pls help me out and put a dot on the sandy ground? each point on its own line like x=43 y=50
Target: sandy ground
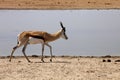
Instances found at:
x=62 y=68
x=59 y=4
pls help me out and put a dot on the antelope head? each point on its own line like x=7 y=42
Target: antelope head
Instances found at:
x=63 y=33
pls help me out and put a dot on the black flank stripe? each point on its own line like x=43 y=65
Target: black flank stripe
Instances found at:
x=38 y=37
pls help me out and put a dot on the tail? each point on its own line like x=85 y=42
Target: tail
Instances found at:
x=17 y=41
x=16 y=45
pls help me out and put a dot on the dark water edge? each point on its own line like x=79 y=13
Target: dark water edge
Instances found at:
x=62 y=56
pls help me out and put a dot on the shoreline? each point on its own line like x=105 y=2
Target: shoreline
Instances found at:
x=62 y=56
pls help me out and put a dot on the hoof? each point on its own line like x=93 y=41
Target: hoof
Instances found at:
x=9 y=60
x=50 y=60
x=29 y=61
x=42 y=60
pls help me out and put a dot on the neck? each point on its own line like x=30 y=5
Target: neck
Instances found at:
x=55 y=36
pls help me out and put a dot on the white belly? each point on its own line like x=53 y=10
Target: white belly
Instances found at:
x=35 y=41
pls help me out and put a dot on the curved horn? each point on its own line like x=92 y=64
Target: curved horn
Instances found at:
x=61 y=25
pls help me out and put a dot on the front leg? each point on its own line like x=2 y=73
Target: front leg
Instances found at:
x=50 y=50
x=23 y=50
x=42 y=52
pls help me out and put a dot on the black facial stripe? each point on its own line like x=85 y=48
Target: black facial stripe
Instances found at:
x=65 y=35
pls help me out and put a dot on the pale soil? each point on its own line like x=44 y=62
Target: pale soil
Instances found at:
x=62 y=68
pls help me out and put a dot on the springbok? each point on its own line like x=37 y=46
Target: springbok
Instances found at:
x=36 y=37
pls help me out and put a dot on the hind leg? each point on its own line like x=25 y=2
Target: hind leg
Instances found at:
x=50 y=50
x=13 y=50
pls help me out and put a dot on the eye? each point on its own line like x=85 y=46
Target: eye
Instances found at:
x=64 y=29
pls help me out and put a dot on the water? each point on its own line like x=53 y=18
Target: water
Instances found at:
x=90 y=32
